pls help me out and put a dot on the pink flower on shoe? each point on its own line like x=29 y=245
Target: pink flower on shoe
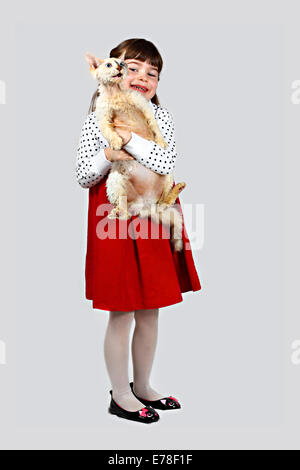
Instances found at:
x=143 y=412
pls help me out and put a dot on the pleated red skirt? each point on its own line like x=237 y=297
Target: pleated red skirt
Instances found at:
x=128 y=269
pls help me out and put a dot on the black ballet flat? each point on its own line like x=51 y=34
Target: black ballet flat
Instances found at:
x=167 y=403
x=144 y=415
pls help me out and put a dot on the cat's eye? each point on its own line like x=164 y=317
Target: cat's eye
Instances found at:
x=108 y=65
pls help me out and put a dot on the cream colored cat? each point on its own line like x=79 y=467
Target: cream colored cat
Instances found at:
x=132 y=188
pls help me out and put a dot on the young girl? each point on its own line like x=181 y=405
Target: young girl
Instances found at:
x=132 y=277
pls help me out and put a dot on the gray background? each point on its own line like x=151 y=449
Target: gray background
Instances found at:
x=235 y=128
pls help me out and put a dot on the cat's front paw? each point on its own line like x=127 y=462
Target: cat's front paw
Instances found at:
x=116 y=142
x=161 y=142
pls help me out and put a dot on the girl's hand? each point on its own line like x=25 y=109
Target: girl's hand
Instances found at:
x=114 y=155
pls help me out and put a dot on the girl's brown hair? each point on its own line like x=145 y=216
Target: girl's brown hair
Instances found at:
x=140 y=49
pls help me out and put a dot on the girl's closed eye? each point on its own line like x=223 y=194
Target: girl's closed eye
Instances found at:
x=151 y=74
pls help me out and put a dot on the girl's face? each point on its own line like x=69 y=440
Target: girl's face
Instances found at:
x=141 y=74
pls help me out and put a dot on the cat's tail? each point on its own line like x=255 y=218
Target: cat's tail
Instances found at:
x=170 y=217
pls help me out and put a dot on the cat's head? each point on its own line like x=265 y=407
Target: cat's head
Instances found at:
x=111 y=70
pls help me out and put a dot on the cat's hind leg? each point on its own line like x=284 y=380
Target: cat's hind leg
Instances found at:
x=170 y=217
x=173 y=194
x=170 y=193
x=116 y=191
x=120 y=211
x=173 y=220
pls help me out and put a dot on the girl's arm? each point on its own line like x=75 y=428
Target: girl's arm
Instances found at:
x=152 y=155
x=91 y=163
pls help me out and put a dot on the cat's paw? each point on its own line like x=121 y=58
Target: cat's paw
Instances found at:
x=180 y=187
x=161 y=142
x=116 y=142
x=124 y=215
x=114 y=213
x=177 y=244
x=117 y=213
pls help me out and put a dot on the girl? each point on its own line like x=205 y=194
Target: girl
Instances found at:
x=132 y=277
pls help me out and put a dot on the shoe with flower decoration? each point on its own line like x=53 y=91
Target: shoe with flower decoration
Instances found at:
x=166 y=403
x=144 y=415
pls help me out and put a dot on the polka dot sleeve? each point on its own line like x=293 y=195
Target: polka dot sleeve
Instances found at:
x=152 y=155
x=91 y=163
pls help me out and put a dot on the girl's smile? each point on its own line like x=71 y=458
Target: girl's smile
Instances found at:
x=142 y=76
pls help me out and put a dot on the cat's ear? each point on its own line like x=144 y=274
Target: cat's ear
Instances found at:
x=93 y=62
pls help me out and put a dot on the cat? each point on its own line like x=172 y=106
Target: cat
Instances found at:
x=132 y=188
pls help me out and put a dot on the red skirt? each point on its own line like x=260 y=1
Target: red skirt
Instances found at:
x=128 y=270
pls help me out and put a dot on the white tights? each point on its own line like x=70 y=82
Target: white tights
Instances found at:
x=116 y=354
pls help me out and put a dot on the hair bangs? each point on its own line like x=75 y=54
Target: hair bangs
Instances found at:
x=144 y=51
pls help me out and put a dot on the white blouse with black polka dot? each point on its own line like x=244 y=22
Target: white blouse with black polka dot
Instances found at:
x=92 y=164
